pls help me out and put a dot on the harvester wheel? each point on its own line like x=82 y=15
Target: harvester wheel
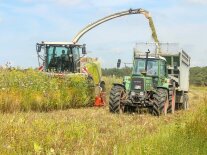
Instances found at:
x=161 y=102
x=117 y=95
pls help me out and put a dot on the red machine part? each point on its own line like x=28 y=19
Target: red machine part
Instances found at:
x=100 y=100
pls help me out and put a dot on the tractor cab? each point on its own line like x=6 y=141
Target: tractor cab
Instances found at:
x=149 y=71
x=155 y=67
x=60 y=56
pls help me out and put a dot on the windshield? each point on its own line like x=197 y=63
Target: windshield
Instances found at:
x=62 y=58
x=152 y=67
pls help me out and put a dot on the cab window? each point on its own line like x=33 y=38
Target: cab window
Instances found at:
x=163 y=68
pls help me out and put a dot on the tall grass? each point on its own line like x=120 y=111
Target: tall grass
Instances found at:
x=32 y=90
x=96 y=131
x=90 y=130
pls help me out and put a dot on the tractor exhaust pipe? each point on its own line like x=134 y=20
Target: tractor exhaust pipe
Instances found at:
x=147 y=57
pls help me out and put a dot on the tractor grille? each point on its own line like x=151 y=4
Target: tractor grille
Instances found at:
x=137 y=84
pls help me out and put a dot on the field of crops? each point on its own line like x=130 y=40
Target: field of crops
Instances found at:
x=92 y=130
x=30 y=90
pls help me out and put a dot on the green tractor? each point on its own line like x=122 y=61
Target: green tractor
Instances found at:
x=158 y=83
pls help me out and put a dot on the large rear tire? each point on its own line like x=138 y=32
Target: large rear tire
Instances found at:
x=117 y=95
x=161 y=102
x=154 y=110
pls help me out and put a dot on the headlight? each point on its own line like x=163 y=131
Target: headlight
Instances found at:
x=133 y=93
x=141 y=93
x=137 y=87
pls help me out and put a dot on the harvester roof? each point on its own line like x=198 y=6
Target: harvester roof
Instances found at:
x=58 y=43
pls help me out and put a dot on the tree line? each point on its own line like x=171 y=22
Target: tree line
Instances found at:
x=198 y=75
x=117 y=72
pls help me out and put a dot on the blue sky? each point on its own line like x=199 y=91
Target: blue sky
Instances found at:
x=23 y=23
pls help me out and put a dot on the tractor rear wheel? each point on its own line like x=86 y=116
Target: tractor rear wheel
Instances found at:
x=161 y=102
x=117 y=95
x=154 y=110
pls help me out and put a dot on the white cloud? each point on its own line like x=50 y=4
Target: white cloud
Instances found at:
x=197 y=2
x=62 y=2
x=69 y=2
x=110 y=3
x=84 y=3
x=27 y=1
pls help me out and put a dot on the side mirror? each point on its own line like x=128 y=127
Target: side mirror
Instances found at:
x=39 y=48
x=118 y=63
x=84 y=49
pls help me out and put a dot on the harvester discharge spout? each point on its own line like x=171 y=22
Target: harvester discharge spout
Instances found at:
x=120 y=14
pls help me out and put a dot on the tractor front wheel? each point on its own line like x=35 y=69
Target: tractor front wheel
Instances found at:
x=117 y=96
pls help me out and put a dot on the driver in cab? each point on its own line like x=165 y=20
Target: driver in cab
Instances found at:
x=63 y=60
x=150 y=69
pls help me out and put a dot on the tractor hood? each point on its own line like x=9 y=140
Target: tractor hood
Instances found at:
x=143 y=83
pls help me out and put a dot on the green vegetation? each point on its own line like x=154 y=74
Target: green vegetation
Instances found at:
x=32 y=90
x=198 y=76
x=117 y=72
x=90 y=130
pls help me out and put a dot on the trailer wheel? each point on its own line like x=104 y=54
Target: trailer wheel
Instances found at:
x=117 y=95
x=185 y=105
x=161 y=102
x=172 y=97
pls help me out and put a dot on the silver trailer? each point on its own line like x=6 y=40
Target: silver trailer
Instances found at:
x=179 y=71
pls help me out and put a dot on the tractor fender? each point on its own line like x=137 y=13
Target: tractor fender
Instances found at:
x=118 y=84
x=164 y=88
x=168 y=90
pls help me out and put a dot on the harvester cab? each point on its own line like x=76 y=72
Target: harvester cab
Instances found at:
x=67 y=59
x=60 y=56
